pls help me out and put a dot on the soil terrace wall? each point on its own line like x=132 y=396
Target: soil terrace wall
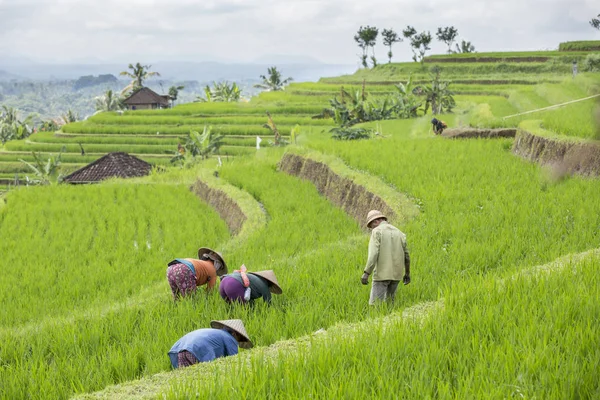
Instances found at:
x=354 y=199
x=470 y=133
x=582 y=158
x=486 y=59
x=228 y=209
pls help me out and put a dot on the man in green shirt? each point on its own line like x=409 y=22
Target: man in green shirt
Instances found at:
x=388 y=258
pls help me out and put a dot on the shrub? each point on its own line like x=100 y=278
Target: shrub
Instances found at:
x=591 y=63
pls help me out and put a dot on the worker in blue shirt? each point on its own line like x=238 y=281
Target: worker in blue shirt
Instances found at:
x=202 y=345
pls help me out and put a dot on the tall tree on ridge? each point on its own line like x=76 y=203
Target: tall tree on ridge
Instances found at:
x=595 y=22
x=447 y=35
x=139 y=73
x=419 y=43
x=465 y=47
x=366 y=37
x=389 y=38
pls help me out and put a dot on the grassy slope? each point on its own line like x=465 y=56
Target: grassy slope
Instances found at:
x=469 y=227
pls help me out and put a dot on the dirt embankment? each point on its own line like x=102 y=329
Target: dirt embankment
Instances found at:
x=582 y=158
x=228 y=209
x=354 y=199
x=470 y=133
x=486 y=59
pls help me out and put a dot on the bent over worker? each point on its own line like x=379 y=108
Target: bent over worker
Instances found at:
x=186 y=274
x=245 y=287
x=388 y=259
x=203 y=345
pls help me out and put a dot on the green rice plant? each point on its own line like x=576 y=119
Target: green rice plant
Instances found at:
x=487 y=339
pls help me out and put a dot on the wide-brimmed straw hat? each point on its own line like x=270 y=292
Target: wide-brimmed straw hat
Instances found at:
x=206 y=250
x=373 y=215
x=235 y=325
x=269 y=276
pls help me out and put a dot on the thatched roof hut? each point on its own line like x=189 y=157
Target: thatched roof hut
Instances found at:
x=112 y=165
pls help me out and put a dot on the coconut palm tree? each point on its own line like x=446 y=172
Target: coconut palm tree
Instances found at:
x=273 y=82
x=108 y=102
x=139 y=73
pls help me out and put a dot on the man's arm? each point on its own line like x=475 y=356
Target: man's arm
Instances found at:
x=406 y=278
x=373 y=253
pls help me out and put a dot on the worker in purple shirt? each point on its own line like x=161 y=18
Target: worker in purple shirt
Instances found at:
x=202 y=345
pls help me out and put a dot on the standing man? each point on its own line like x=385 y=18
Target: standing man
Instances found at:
x=222 y=339
x=388 y=258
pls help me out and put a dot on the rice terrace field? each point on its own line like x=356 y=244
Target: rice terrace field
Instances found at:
x=504 y=299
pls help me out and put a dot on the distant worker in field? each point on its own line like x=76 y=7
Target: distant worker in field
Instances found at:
x=388 y=259
x=186 y=274
x=574 y=68
x=245 y=287
x=438 y=126
x=222 y=339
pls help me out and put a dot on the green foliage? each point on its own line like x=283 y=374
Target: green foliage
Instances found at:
x=107 y=102
x=197 y=146
x=11 y=128
x=69 y=117
x=595 y=22
x=407 y=103
x=487 y=339
x=389 y=38
x=366 y=38
x=438 y=95
x=580 y=45
x=349 y=133
x=418 y=42
x=464 y=48
x=45 y=172
x=139 y=73
x=447 y=35
x=273 y=81
x=174 y=93
x=591 y=63
x=221 y=92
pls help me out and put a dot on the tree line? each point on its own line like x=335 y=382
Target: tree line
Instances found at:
x=366 y=38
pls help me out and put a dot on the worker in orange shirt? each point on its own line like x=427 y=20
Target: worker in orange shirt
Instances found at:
x=186 y=274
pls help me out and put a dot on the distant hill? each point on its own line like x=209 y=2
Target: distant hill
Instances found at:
x=7 y=76
x=90 y=80
x=304 y=69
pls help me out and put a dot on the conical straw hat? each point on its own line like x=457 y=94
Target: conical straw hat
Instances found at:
x=269 y=276
x=373 y=215
x=206 y=250
x=236 y=325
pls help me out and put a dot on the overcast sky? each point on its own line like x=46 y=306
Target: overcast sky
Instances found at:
x=242 y=31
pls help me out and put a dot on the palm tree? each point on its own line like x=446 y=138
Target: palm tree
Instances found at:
x=108 y=102
x=221 y=92
x=273 y=82
x=70 y=116
x=139 y=73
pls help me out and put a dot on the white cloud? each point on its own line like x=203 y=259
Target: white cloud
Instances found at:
x=245 y=29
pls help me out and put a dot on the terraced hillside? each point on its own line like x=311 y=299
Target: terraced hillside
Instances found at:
x=88 y=308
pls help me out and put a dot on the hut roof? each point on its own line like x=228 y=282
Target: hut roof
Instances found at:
x=145 y=95
x=112 y=165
